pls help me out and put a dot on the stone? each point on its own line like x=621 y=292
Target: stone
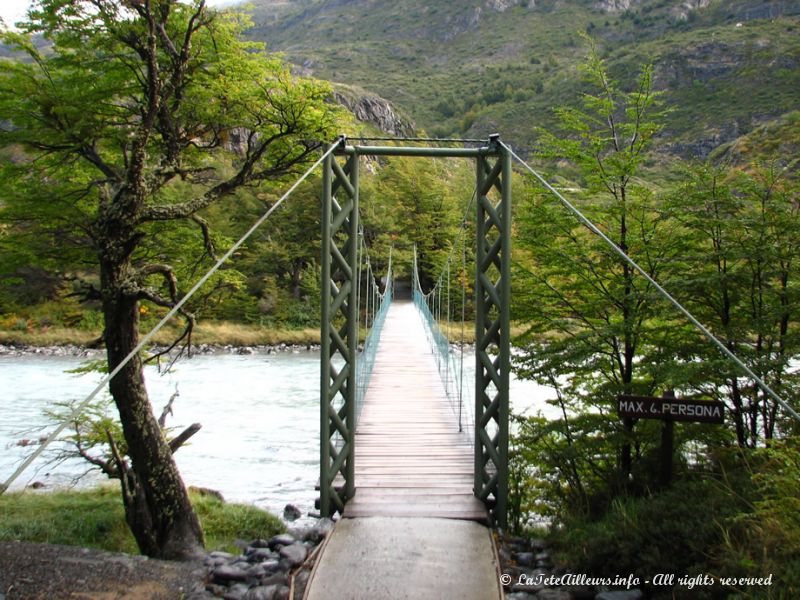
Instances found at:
x=225 y=573
x=291 y=513
x=216 y=590
x=550 y=594
x=214 y=562
x=514 y=573
x=282 y=593
x=278 y=577
x=537 y=544
x=320 y=530
x=262 y=592
x=294 y=554
x=259 y=554
x=236 y=592
x=300 y=580
x=259 y=543
x=283 y=539
x=270 y=566
x=620 y=595
x=525 y=559
x=580 y=592
x=256 y=571
x=520 y=596
x=531 y=588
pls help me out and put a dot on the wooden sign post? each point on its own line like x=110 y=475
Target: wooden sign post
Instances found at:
x=669 y=409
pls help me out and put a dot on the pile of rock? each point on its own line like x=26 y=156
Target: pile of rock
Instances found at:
x=14 y=349
x=267 y=569
x=528 y=574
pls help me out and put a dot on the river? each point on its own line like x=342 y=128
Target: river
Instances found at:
x=259 y=441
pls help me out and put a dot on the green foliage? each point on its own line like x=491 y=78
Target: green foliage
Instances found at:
x=739 y=237
x=591 y=327
x=766 y=539
x=736 y=518
x=724 y=242
x=92 y=519
x=440 y=60
x=224 y=523
x=77 y=109
x=95 y=519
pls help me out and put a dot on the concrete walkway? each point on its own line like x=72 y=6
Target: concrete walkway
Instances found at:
x=400 y=558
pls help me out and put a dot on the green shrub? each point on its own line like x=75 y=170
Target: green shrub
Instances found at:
x=766 y=540
x=673 y=531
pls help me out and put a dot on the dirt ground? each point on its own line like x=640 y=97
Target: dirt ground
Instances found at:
x=44 y=572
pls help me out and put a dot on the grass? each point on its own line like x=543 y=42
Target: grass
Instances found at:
x=51 y=336
x=214 y=333
x=95 y=519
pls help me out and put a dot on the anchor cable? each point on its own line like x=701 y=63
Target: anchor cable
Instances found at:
x=594 y=229
x=172 y=312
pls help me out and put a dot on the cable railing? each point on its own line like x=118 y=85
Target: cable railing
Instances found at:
x=376 y=307
x=449 y=361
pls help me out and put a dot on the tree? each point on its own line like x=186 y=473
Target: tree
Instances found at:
x=739 y=234
x=125 y=116
x=589 y=316
x=422 y=202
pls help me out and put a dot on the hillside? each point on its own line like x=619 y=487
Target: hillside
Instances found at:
x=471 y=67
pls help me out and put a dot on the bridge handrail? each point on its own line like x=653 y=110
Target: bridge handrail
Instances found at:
x=366 y=363
x=450 y=371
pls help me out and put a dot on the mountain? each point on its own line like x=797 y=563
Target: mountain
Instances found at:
x=472 y=67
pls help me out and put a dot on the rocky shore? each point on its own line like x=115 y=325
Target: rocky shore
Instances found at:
x=273 y=569
x=528 y=573
x=74 y=350
x=277 y=568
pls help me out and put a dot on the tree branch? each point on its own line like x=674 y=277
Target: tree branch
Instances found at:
x=176 y=442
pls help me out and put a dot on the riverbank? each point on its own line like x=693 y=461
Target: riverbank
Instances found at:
x=210 y=335
x=72 y=350
x=64 y=543
x=205 y=334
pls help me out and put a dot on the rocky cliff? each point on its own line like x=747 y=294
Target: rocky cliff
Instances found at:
x=371 y=108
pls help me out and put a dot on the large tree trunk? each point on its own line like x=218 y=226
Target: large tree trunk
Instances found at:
x=157 y=504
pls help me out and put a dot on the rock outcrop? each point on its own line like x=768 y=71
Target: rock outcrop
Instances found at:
x=371 y=108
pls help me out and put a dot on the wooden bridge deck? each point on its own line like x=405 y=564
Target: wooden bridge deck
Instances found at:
x=410 y=458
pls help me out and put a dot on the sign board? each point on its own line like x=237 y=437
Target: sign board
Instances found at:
x=671 y=409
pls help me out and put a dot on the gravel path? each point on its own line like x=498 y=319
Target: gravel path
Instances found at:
x=40 y=571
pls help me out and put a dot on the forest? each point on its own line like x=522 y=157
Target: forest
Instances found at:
x=131 y=158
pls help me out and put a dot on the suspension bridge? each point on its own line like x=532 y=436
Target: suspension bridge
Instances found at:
x=413 y=454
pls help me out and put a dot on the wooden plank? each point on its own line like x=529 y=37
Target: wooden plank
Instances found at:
x=410 y=458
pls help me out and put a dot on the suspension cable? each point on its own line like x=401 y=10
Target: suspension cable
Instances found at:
x=431 y=306
x=378 y=304
x=172 y=312
x=594 y=229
